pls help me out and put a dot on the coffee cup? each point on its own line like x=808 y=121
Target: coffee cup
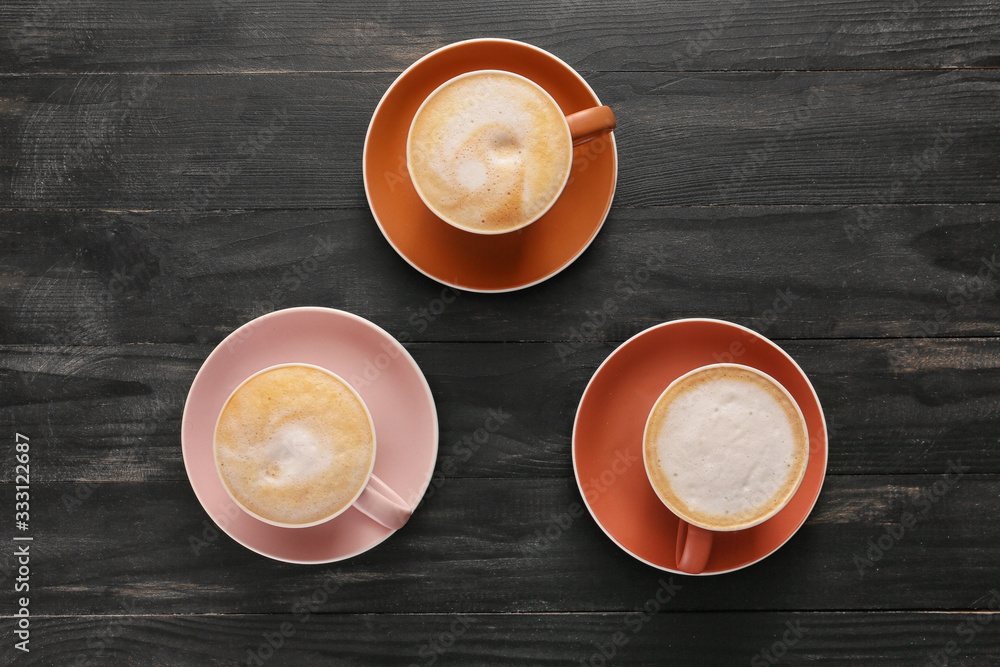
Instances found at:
x=490 y=151
x=294 y=446
x=725 y=448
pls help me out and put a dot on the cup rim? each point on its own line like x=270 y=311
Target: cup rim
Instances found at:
x=791 y=494
x=543 y=211
x=371 y=464
x=391 y=223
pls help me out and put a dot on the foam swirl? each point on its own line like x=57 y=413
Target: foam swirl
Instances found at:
x=489 y=151
x=726 y=447
x=294 y=445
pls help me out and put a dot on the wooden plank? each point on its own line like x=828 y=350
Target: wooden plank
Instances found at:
x=758 y=638
x=901 y=406
x=387 y=35
x=149 y=545
x=194 y=143
x=144 y=216
x=105 y=278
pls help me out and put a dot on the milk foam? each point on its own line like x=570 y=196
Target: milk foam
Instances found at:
x=726 y=447
x=489 y=151
x=294 y=445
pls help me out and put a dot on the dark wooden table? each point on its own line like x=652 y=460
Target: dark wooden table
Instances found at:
x=844 y=153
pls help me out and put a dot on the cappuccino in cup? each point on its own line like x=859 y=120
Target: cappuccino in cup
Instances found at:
x=725 y=447
x=294 y=445
x=489 y=151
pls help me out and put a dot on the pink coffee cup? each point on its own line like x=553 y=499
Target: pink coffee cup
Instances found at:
x=374 y=498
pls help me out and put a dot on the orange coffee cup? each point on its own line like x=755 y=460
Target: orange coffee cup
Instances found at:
x=725 y=448
x=490 y=151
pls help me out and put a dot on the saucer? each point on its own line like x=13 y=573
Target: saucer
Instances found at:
x=477 y=262
x=607 y=440
x=375 y=364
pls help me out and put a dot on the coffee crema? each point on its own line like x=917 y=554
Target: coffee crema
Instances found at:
x=725 y=447
x=294 y=445
x=489 y=151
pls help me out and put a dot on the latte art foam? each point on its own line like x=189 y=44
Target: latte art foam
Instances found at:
x=725 y=448
x=294 y=445
x=489 y=151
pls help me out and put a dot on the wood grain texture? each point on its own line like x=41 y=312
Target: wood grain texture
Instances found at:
x=541 y=639
x=150 y=546
x=387 y=35
x=900 y=406
x=826 y=174
x=107 y=278
x=271 y=141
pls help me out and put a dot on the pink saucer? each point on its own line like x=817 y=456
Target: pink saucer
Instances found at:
x=378 y=367
x=607 y=440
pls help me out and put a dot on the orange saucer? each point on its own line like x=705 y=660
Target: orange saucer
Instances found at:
x=474 y=262
x=607 y=440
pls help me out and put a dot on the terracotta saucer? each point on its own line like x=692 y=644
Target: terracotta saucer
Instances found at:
x=375 y=364
x=474 y=262
x=607 y=440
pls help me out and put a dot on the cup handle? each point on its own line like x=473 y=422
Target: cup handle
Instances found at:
x=383 y=504
x=589 y=124
x=694 y=545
